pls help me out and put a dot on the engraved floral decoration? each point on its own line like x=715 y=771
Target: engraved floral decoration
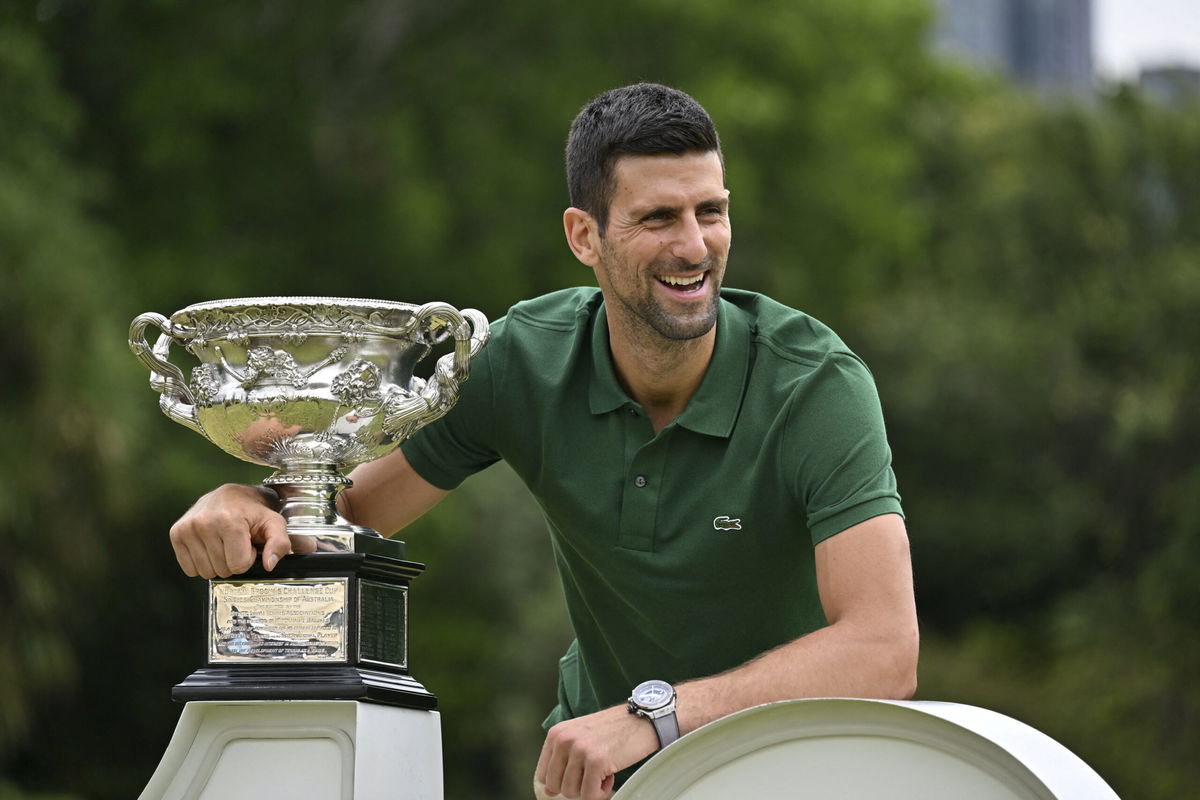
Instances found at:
x=271 y=367
x=358 y=384
x=292 y=324
x=206 y=383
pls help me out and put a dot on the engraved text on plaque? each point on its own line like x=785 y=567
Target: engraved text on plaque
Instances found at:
x=284 y=620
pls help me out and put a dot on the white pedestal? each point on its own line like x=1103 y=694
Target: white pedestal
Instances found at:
x=865 y=750
x=301 y=750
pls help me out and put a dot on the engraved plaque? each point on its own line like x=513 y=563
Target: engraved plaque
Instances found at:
x=383 y=614
x=280 y=621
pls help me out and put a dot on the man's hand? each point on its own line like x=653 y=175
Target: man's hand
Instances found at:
x=216 y=538
x=581 y=756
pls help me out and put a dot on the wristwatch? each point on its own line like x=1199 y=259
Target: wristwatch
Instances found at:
x=655 y=701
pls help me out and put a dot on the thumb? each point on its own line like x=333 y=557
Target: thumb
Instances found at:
x=270 y=531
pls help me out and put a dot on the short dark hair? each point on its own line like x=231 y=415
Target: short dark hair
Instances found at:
x=642 y=119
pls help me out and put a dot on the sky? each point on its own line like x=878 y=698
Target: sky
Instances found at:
x=1131 y=34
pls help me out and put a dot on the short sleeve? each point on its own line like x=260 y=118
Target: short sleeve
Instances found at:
x=841 y=464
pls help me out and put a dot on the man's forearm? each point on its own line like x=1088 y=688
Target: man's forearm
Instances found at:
x=830 y=662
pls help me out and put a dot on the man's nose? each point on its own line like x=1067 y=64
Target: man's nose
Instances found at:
x=689 y=244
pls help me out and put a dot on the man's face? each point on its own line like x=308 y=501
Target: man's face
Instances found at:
x=663 y=255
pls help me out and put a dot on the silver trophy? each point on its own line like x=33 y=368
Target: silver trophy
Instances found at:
x=310 y=386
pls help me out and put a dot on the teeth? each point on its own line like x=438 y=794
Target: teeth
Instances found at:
x=677 y=280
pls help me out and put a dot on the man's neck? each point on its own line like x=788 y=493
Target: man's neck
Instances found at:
x=660 y=374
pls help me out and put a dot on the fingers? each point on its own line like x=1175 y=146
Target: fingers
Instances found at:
x=199 y=548
x=595 y=782
x=269 y=530
x=549 y=770
x=216 y=537
x=572 y=780
x=573 y=767
x=539 y=774
x=231 y=553
x=183 y=553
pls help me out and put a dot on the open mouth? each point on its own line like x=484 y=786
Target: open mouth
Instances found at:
x=686 y=284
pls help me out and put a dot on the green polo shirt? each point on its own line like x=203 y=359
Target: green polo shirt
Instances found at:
x=687 y=553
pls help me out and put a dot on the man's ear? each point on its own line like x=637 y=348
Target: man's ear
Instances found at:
x=583 y=235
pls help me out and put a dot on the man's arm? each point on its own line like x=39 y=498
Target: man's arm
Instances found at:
x=868 y=649
x=388 y=494
x=217 y=536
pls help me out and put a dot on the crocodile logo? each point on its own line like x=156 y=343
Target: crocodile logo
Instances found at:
x=727 y=524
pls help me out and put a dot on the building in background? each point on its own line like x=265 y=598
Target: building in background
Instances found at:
x=1175 y=86
x=1043 y=44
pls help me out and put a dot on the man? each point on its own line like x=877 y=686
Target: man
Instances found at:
x=712 y=466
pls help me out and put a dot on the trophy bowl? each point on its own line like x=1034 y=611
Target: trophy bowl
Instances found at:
x=309 y=386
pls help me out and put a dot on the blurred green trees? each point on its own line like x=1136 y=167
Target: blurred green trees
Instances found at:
x=1024 y=280
x=1050 y=330
x=57 y=356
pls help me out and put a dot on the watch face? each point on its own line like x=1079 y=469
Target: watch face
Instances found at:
x=653 y=694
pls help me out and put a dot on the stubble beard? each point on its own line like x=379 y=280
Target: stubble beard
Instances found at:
x=647 y=314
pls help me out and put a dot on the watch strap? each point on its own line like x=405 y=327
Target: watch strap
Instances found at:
x=667 y=728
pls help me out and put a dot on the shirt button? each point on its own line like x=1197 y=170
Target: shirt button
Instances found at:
x=633 y=412
x=639 y=481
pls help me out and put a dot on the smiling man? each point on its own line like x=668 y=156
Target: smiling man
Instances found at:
x=659 y=260
x=712 y=466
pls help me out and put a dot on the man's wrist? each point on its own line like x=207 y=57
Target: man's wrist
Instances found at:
x=654 y=701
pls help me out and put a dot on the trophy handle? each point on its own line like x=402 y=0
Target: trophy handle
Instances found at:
x=439 y=394
x=176 y=400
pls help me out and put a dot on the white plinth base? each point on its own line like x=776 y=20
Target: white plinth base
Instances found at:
x=864 y=750
x=301 y=750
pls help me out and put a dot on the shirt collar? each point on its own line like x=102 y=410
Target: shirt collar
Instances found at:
x=714 y=407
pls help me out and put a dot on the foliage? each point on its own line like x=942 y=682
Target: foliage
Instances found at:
x=55 y=354
x=1022 y=278
x=1050 y=332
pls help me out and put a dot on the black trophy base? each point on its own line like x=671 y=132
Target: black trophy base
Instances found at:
x=320 y=626
x=304 y=682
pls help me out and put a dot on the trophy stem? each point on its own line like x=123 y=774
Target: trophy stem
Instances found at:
x=309 y=494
